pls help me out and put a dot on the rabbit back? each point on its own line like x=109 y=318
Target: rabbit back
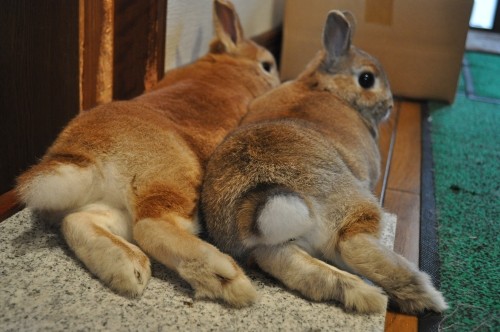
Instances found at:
x=339 y=124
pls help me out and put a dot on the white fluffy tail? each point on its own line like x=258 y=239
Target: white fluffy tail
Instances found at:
x=57 y=187
x=283 y=217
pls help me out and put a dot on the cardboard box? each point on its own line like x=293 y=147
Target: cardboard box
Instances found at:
x=419 y=43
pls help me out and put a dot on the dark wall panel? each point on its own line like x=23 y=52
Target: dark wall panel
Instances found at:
x=38 y=79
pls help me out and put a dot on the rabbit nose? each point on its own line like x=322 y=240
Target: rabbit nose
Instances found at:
x=387 y=110
x=390 y=104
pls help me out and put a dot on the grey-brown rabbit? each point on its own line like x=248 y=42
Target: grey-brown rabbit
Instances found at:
x=292 y=187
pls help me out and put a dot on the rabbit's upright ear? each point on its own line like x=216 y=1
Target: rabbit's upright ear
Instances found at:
x=337 y=34
x=352 y=21
x=227 y=24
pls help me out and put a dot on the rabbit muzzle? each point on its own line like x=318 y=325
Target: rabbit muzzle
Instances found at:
x=385 y=110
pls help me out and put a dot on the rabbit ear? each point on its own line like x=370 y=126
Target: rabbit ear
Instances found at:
x=337 y=35
x=352 y=21
x=227 y=24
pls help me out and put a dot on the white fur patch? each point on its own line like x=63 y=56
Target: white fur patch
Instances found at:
x=283 y=218
x=112 y=187
x=118 y=222
x=66 y=187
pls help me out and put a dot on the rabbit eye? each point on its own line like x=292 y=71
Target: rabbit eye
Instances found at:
x=366 y=80
x=268 y=66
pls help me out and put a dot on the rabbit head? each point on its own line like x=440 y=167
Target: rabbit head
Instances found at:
x=348 y=72
x=230 y=41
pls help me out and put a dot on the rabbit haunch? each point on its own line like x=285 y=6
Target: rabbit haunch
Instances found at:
x=125 y=177
x=292 y=186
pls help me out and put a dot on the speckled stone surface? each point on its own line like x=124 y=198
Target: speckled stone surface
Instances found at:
x=44 y=287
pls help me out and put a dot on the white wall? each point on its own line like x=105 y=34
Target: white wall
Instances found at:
x=483 y=14
x=189 y=25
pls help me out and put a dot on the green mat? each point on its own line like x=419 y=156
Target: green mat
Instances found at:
x=466 y=153
x=484 y=71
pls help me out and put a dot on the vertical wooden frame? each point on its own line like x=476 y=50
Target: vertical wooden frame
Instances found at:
x=139 y=42
x=122 y=47
x=95 y=52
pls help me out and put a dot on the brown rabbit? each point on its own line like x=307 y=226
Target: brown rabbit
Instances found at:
x=130 y=172
x=292 y=187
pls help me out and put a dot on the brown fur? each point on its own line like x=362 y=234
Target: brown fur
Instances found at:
x=364 y=220
x=315 y=137
x=142 y=162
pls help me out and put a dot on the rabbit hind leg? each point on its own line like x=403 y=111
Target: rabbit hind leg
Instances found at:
x=99 y=235
x=167 y=233
x=410 y=288
x=317 y=280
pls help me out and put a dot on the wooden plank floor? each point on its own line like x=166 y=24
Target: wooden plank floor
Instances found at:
x=399 y=190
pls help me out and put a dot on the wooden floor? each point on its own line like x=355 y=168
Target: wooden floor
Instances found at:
x=399 y=189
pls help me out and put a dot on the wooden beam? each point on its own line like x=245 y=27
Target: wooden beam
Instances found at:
x=139 y=43
x=122 y=48
x=95 y=52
